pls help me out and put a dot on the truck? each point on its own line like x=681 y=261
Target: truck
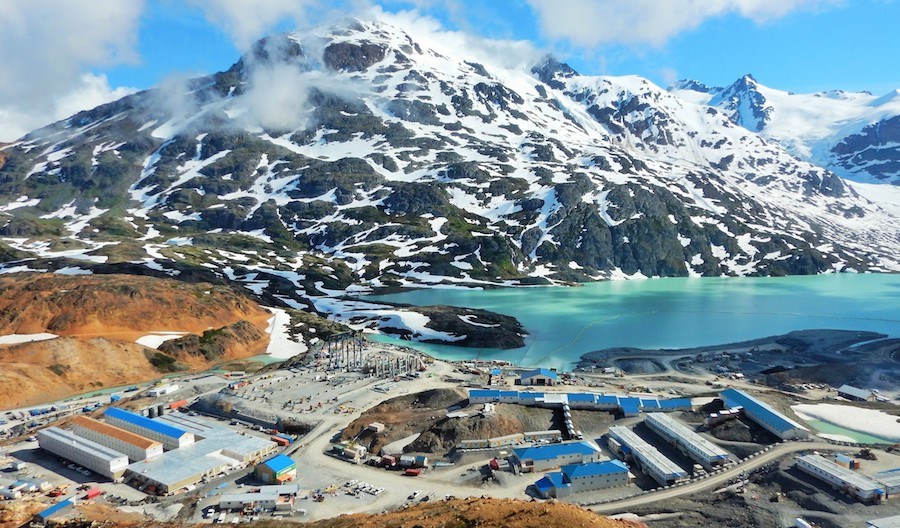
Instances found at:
x=114 y=398
x=288 y=438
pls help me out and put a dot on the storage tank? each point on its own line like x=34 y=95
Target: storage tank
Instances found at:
x=152 y=412
x=160 y=409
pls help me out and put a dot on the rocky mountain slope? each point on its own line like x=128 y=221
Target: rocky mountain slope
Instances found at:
x=100 y=318
x=365 y=155
x=853 y=134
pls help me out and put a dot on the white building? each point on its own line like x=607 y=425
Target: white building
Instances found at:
x=764 y=415
x=135 y=446
x=552 y=456
x=170 y=436
x=162 y=390
x=651 y=461
x=539 y=377
x=688 y=442
x=841 y=478
x=99 y=459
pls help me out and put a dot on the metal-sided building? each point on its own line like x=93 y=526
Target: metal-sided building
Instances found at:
x=539 y=377
x=579 y=478
x=278 y=469
x=135 y=446
x=651 y=461
x=56 y=510
x=171 y=437
x=218 y=450
x=841 y=478
x=544 y=457
x=764 y=415
x=890 y=480
x=99 y=459
x=708 y=454
x=852 y=393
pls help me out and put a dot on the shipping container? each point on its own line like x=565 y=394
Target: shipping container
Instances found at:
x=412 y=472
x=289 y=438
x=93 y=492
x=281 y=441
x=388 y=461
x=177 y=404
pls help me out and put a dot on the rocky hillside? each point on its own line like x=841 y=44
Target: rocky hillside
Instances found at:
x=100 y=318
x=853 y=134
x=364 y=155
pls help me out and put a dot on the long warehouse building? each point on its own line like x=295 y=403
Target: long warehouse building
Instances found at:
x=99 y=459
x=171 y=437
x=218 y=450
x=651 y=461
x=135 y=446
x=708 y=454
x=764 y=415
x=844 y=479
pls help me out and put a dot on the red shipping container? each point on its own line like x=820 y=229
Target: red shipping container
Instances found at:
x=177 y=404
x=93 y=492
x=281 y=441
x=412 y=472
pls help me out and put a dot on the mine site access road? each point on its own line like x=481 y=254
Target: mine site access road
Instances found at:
x=771 y=455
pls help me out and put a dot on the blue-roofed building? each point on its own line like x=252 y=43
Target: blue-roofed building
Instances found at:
x=576 y=478
x=540 y=377
x=170 y=436
x=545 y=457
x=56 y=510
x=483 y=396
x=675 y=404
x=630 y=406
x=277 y=470
x=764 y=415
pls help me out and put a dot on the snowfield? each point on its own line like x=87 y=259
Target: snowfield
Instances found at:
x=869 y=421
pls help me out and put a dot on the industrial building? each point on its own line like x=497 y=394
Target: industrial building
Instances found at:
x=217 y=450
x=852 y=393
x=99 y=459
x=625 y=442
x=276 y=470
x=551 y=436
x=579 y=478
x=266 y=498
x=538 y=377
x=890 y=480
x=841 y=478
x=627 y=405
x=170 y=437
x=60 y=508
x=708 y=454
x=544 y=457
x=162 y=390
x=764 y=415
x=136 y=447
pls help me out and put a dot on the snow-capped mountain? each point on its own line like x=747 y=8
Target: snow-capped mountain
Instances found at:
x=362 y=155
x=854 y=134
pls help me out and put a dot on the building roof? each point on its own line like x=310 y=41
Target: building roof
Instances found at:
x=753 y=406
x=279 y=463
x=246 y=498
x=539 y=372
x=855 y=392
x=156 y=426
x=56 y=508
x=649 y=454
x=890 y=478
x=848 y=476
x=551 y=480
x=675 y=403
x=580 y=396
x=483 y=393
x=593 y=469
x=83 y=444
x=114 y=432
x=218 y=448
x=687 y=435
x=885 y=522
x=549 y=452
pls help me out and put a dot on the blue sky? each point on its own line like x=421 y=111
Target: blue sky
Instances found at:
x=113 y=46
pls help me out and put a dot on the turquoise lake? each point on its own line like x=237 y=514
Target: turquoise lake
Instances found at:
x=566 y=322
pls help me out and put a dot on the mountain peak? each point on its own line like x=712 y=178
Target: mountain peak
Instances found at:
x=694 y=85
x=549 y=70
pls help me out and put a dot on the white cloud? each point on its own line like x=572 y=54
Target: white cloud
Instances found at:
x=245 y=21
x=51 y=47
x=588 y=23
